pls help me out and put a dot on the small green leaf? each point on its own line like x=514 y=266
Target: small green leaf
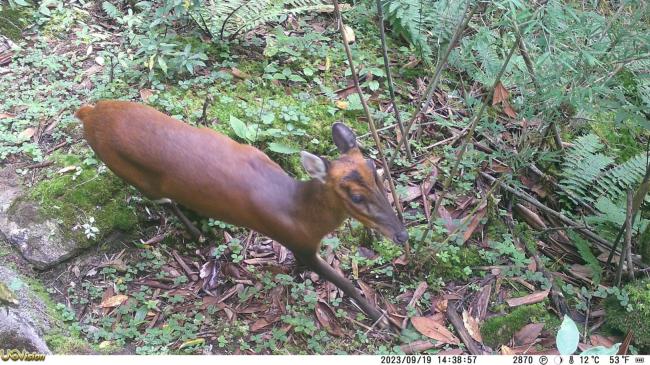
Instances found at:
x=238 y=127
x=354 y=103
x=567 y=337
x=282 y=148
x=296 y=78
x=44 y=10
x=602 y=350
x=252 y=132
x=162 y=64
x=308 y=71
x=373 y=85
x=268 y=117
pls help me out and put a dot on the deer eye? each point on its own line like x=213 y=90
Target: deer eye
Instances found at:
x=356 y=198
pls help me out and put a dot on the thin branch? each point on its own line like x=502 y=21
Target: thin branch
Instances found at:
x=628 y=234
x=639 y=197
x=424 y=101
x=628 y=238
x=389 y=79
x=466 y=142
x=371 y=123
x=599 y=241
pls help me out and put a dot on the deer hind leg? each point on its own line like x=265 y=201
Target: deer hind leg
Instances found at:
x=195 y=232
x=321 y=267
x=148 y=182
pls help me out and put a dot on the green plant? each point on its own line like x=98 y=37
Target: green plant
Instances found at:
x=499 y=330
x=619 y=316
x=568 y=336
x=592 y=176
x=153 y=37
x=233 y=17
x=426 y=25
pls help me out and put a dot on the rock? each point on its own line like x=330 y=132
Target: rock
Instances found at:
x=41 y=241
x=24 y=326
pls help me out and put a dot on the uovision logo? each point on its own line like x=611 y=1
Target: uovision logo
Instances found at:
x=15 y=355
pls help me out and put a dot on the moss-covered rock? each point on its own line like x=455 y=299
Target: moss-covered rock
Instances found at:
x=620 y=320
x=497 y=331
x=72 y=199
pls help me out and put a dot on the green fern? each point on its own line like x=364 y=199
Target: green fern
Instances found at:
x=112 y=11
x=583 y=164
x=592 y=176
x=232 y=17
x=424 y=24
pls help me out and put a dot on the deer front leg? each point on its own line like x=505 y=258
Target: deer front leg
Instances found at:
x=321 y=267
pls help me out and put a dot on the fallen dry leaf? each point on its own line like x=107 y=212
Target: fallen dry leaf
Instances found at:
x=472 y=326
x=327 y=319
x=530 y=217
x=500 y=94
x=433 y=329
x=419 y=291
x=145 y=94
x=402 y=260
x=528 y=334
x=598 y=340
x=260 y=323
x=447 y=220
x=27 y=133
x=473 y=224
x=6 y=115
x=528 y=299
x=113 y=301
x=507 y=108
x=480 y=305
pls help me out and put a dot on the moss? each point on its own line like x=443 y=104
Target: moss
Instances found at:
x=59 y=341
x=453 y=267
x=620 y=320
x=13 y=21
x=64 y=344
x=621 y=139
x=497 y=331
x=73 y=201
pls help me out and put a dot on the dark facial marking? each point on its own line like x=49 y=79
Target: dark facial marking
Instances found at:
x=355 y=177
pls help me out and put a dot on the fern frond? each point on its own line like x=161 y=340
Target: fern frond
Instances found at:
x=424 y=24
x=583 y=165
x=112 y=11
x=232 y=17
x=587 y=256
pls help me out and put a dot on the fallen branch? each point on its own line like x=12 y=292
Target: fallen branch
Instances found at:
x=472 y=346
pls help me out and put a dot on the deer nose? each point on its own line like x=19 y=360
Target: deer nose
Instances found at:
x=402 y=237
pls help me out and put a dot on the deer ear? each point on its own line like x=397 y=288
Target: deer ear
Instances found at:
x=315 y=166
x=343 y=137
